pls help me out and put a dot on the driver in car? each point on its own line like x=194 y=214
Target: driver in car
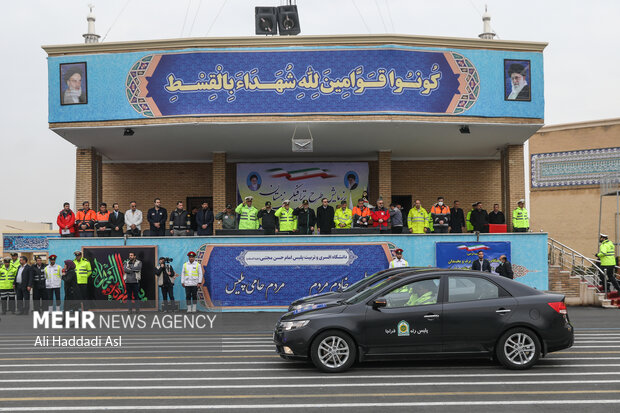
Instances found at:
x=422 y=294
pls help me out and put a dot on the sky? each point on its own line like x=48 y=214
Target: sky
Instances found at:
x=38 y=167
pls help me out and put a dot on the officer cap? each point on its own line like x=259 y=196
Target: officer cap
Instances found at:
x=249 y=198
x=343 y=202
x=398 y=250
x=604 y=235
x=521 y=201
x=6 y=259
x=191 y=254
x=52 y=257
x=76 y=253
x=268 y=203
x=305 y=202
x=228 y=206
x=286 y=201
x=474 y=204
x=14 y=254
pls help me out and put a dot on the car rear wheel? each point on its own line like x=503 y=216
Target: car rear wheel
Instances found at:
x=333 y=351
x=518 y=349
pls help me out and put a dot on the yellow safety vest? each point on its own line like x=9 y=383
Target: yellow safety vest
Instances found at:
x=421 y=300
x=343 y=217
x=607 y=253
x=468 y=224
x=83 y=271
x=288 y=221
x=248 y=217
x=417 y=220
x=520 y=218
x=15 y=264
x=7 y=277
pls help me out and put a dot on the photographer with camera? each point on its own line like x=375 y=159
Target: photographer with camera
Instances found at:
x=132 y=269
x=165 y=279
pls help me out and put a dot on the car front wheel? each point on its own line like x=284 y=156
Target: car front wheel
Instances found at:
x=333 y=351
x=518 y=349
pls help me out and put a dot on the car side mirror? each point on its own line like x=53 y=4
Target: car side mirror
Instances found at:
x=378 y=303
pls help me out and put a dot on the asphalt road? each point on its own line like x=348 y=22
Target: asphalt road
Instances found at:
x=235 y=369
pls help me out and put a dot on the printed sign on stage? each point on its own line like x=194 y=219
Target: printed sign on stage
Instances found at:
x=461 y=255
x=106 y=282
x=299 y=181
x=276 y=275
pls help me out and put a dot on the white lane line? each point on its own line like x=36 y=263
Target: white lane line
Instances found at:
x=118 y=351
x=616 y=346
x=174 y=363
x=314 y=385
x=184 y=406
x=170 y=343
x=547 y=358
x=314 y=377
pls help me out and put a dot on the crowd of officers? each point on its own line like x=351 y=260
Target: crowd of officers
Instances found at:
x=286 y=220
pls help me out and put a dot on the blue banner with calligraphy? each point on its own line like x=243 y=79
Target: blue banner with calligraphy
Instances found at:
x=294 y=82
x=461 y=255
x=276 y=275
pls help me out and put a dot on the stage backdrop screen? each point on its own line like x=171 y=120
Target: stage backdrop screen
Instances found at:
x=298 y=181
x=461 y=255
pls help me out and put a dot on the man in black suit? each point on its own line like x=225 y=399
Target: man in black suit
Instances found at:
x=479 y=218
x=505 y=268
x=116 y=221
x=325 y=217
x=23 y=286
x=481 y=264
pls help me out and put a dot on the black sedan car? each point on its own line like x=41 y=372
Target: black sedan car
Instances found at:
x=307 y=303
x=429 y=313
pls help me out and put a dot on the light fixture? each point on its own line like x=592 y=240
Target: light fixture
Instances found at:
x=266 y=20
x=464 y=129
x=128 y=132
x=288 y=20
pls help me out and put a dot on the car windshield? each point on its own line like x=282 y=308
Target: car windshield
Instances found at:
x=369 y=291
x=370 y=279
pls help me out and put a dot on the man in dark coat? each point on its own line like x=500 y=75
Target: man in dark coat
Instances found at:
x=479 y=218
x=505 y=268
x=116 y=221
x=496 y=216
x=457 y=221
x=23 y=286
x=204 y=220
x=72 y=292
x=325 y=217
x=481 y=264
x=306 y=220
x=269 y=220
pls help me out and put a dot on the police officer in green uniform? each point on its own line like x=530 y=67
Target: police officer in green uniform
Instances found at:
x=7 y=288
x=83 y=271
x=607 y=255
x=288 y=221
x=520 y=218
x=248 y=215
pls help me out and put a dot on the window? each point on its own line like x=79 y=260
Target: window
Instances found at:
x=417 y=293
x=472 y=288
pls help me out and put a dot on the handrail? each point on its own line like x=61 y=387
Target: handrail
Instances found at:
x=592 y=274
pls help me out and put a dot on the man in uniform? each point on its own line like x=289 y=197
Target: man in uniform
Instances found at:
x=15 y=261
x=306 y=220
x=468 y=225
x=23 y=286
x=157 y=219
x=607 y=255
x=191 y=279
x=83 y=271
x=288 y=221
x=39 y=291
x=102 y=223
x=7 y=288
x=343 y=216
x=440 y=216
x=418 y=219
x=380 y=217
x=85 y=220
x=361 y=214
x=398 y=261
x=422 y=293
x=248 y=215
x=53 y=281
x=520 y=218
x=228 y=218
x=268 y=218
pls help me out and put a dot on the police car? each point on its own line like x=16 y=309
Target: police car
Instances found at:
x=429 y=313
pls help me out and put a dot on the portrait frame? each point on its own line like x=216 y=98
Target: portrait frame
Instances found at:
x=259 y=180
x=346 y=181
x=527 y=73
x=64 y=70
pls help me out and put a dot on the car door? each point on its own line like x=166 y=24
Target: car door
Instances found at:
x=475 y=312
x=410 y=323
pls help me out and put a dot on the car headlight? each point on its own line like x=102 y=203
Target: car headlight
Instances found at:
x=293 y=325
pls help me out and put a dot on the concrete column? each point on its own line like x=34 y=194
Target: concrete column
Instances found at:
x=513 y=180
x=219 y=184
x=88 y=178
x=385 y=178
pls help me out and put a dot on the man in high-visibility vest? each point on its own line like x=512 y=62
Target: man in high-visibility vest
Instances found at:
x=191 y=279
x=83 y=271
x=520 y=218
x=15 y=261
x=288 y=221
x=468 y=224
x=248 y=215
x=418 y=219
x=7 y=287
x=398 y=261
x=343 y=216
x=53 y=282
x=607 y=255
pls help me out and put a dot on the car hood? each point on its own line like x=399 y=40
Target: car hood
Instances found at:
x=330 y=296
x=316 y=310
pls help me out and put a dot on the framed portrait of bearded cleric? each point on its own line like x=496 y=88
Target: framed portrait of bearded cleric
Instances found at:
x=73 y=85
x=517 y=80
